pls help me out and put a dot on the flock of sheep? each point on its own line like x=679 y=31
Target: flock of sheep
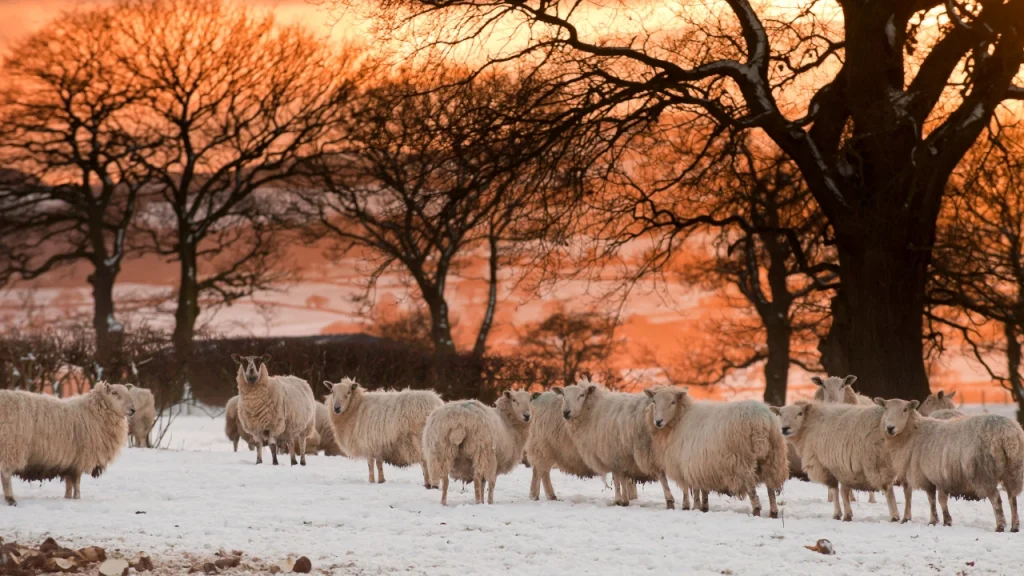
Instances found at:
x=840 y=439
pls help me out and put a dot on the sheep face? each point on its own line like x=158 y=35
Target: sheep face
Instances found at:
x=834 y=387
x=116 y=398
x=665 y=405
x=251 y=366
x=341 y=394
x=792 y=418
x=517 y=404
x=574 y=398
x=897 y=415
x=937 y=401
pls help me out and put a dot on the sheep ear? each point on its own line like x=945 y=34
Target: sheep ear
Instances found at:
x=328 y=385
x=950 y=395
x=649 y=392
x=354 y=386
x=557 y=390
x=684 y=390
x=507 y=394
x=914 y=404
x=236 y=358
x=265 y=358
x=590 y=389
x=129 y=386
x=880 y=402
x=775 y=410
x=849 y=380
x=817 y=380
x=940 y=395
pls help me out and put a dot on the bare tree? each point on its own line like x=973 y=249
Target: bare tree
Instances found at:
x=425 y=171
x=574 y=344
x=978 y=282
x=238 y=102
x=901 y=90
x=69 y=133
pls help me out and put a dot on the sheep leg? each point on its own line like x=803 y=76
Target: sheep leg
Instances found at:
x=292 y=449
x=632 y=495
x=302 y=452
x=5 y=479
x=847 y=493
x=833 y=494
x=273 y=452
x=478 y=489
x=686 y=498
x=931 y=504
x=621 y=492
x=490 y=486
x=755 y=502
x=908 y=498
x=670 y=501
x=997 y=507
x=380 y=471
x=444 y=490
x=703 y=500
x=1014 y=518
x=890 y=500
x=871 y=498
x=773 y=507
x=369 y=462
x=69 y=487
x=235 y=443
x=426 y=475
x=259 y=452
x=549 y=490
x=947 y=520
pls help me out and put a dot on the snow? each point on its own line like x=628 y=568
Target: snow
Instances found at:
x=200 y=497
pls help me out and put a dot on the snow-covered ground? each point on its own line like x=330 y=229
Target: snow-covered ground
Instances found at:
x=199 y=497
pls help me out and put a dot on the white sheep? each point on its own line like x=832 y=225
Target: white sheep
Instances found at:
x=965 y=457
x=940 y=406
x=273 y=409
x=841 y=444
x=472 y=442
x=233 y=428
x=610 y=432
x=328 y=444
x=44 y=438
x=725 y=447
x=835 y=390
x=550 y=446
x=381 y=426
x=142 y=422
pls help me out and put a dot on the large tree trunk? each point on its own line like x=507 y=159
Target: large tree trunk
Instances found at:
x=884 y=290
x=108 y=330
x=776 y=368
x=480 y=348
x=440 y=326
x=834 y=345
x=1013 y=357
x=187 y=312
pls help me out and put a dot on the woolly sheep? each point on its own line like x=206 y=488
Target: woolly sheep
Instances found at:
x=44 y=438
x=381 y=426
x=940 y=406
x=141 y=423
x=841 y=444
x=964 y=458
x=328 y=444
x=233 y=428
x=550 y=446
x=726 y=447
x=610 y=433
x=470 y=441
x=836 y=390
x=273 y=409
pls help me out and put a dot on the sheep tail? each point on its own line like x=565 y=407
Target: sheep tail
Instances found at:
x=1013 y=453
x=456 y=436
x=775 y=468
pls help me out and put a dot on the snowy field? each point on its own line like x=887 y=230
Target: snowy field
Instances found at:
x=199 y=497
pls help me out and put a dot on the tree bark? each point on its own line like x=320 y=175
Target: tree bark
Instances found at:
x=833 y=346
x=1013 y=358
x=884 y=292
x=440 y=326
x=776 y=368
x=104 y=323
x=480 y=348
x=187 y=312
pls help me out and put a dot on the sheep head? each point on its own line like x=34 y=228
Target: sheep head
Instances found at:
x=792 y=417
x=516 y=405
x=938 y=401
x=666 y=404
x=341 y=394
x=116 y=398
x=574 y=398
x=834 y=387
x=899 y=414
x=251 y=367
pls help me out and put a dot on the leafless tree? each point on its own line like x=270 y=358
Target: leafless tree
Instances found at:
x=238 y=102
x=70 y=137
x=574 y=344
x=899 y=91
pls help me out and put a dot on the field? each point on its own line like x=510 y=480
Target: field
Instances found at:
x=197 y=497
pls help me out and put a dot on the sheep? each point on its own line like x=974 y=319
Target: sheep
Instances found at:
x=966 y=457
x=550 y=446
x=328 y=444
x=611 y=436
x=44 y=438
x=274 y=409
x=470 y=441
x=836 y=390
x=726 y=447
x=145 y=415
x=232 y=427
x=841 y=444
x=940 y=406
x=381 y=426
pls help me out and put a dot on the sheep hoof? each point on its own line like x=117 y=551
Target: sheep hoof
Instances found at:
x=756 y=512
x=837 y=516
x=626 y=503
x=1015 y=529
x=774 y=514
x=1000 y=528
x=933 y=523
x=905 y=520
x=704 y=509
x=381 y=481
x=552 y=498
x=670 y=505
x=10 y=501
x=848 y=518
x=947 y=522
x=894 y=519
